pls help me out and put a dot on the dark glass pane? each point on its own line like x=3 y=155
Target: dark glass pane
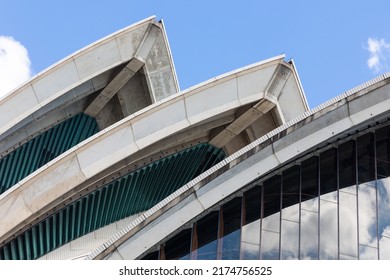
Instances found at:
x=290 y=186
x=207 y=228
x=272 y=188
x=207 y=233
x=309 y=169
x=178 y=247
x=231 y=215
x=151 y=256
x=366 y=158
x=328 y=171
x=250 y=232
x=252 y=209
x=383 y=152
x=231 y=246
x=347 y=164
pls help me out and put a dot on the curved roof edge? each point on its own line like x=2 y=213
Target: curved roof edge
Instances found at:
x=170 y=56
x=278 y=58
x=75 y=69
x=66 y=58
x=130 y=135
x=350 y=109
x=303 y=95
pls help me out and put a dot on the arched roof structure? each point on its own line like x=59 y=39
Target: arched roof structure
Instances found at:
x=127 y=83
x=356 y=110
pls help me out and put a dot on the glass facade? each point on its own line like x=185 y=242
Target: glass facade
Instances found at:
x=334 y=204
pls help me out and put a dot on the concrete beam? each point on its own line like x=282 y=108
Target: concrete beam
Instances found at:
x=250 y=164
x=135 y=64
x=114 y=86
x=118 y=142
x=278 y=81
x=272 y=92
x=242 y=122
x=148 y=41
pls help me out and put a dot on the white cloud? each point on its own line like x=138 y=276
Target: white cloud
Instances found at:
x=379 y=53
x=15 y=65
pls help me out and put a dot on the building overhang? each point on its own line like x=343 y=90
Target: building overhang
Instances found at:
x=127 y=83
x=356 y=110
x=196 y=115
x=134 y=64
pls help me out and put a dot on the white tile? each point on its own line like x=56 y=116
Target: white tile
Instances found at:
x=17 y=106
x=57 y=81
x=128 y=42
x=164 y=121
x=106 y=150
x=51 y=183
x=98 y=59
x=13 y=210
x=218 y=97
x=251 y=86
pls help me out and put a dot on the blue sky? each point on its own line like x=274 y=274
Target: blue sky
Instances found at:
x=336 y=45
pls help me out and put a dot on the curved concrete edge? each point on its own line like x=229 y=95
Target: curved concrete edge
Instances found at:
x=126 y=137
x=296 y=76
x=177 y=85
x=69 y=73
x=305 y=132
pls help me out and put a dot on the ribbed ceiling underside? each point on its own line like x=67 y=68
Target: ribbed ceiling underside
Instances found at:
x=43 y=148
x=128 y=195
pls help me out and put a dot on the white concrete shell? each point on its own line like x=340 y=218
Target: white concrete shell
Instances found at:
x=56 y=181
x=228 y=112
x=29 y=109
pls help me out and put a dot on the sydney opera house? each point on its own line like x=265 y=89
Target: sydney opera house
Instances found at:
x=102 y=156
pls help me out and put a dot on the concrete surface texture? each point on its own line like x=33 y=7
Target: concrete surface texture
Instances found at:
x=257 y=114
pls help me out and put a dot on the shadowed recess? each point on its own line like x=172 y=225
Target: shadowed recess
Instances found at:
x=133 y=193
x=43 y=148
